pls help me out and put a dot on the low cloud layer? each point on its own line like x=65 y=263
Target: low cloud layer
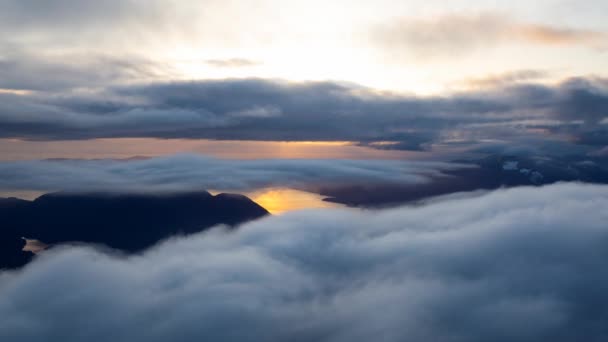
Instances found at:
x=558 y=118
x=185 y=172
x=514 y=265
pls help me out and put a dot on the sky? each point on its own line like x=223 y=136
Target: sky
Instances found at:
x=420 y=47
x=266 y=79
x=413 y=46
x=413 y=76
x=433 y=170
x=426 y=77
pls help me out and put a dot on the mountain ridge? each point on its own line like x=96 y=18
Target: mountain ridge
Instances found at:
x=130 y=222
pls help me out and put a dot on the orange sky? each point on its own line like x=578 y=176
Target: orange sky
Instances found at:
x=275 y=200
x=15 y=149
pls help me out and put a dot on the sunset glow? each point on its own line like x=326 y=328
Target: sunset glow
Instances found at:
x=288 y=170
x=278 y=201
x=124 y=148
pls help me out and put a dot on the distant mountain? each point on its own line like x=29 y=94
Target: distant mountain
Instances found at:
x=11 y=242
x=11 y=254
x=128 y=222
x=488 y=173
x=539 y=170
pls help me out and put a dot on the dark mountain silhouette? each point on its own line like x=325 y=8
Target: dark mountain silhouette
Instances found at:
x=11 y=254
x=11 y=242
x=488 y=173
x=128 y=222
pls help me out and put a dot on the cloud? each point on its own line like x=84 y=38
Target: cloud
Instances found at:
x=435 y=36
x=271 y=110
x=232 y=63
x=25 y=70
x=505 y=79
x=556 y=35
x=133 y=26
x=456 y=34
x=40 y=20
x=516 y=265
x=185 y=172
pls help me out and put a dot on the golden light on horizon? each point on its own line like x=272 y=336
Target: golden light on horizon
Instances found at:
x=120 y=148
x=281 y=200
x=15 y=91
x=275 y=200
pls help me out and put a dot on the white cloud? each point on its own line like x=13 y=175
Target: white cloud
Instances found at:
x=187 y=171
x=524 y=264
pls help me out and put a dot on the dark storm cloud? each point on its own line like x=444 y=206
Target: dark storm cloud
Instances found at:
x=183 y=172
x=257 y=109
x=516 y=265
x=584 y=99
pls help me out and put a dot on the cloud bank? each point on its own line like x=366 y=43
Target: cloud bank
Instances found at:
x=514 y=265
x=561 y=119
x=185 y=172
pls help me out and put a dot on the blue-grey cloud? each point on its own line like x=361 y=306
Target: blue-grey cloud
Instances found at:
x=24 y=70
x=255 y=109
x=185 y=172
x=39 y=17
x=516 y=265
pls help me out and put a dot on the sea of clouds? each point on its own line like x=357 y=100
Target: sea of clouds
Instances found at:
x=524 y=264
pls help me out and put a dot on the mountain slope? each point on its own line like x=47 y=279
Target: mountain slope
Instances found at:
x=129 y=222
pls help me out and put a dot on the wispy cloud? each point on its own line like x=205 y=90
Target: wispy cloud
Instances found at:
x=445 y=36
x=232 y=63
x=557 y=35
x=25 y=70
x=504 y=79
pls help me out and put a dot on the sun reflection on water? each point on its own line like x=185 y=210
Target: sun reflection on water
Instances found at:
x=281 y=200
